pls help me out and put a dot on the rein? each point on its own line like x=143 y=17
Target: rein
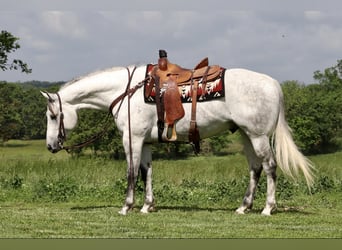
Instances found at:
x=62 y=134
x=131 y=168
x=91 y=139
x=128 y=92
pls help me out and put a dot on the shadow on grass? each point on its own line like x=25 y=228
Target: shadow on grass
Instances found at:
x=280 y=210
x=93 y=207
x=193 y=208
x=292 y=210
x=156 y=209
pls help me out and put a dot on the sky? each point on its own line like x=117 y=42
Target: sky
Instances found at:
x=61 y=40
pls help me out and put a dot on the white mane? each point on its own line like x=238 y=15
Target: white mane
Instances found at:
x=76 y=79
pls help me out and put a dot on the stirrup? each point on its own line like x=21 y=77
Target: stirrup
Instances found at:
x=166 y=136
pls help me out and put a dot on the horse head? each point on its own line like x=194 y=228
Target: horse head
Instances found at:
x=61 y=118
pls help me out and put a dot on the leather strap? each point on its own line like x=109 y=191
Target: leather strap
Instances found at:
x=204 y=81
x=194 y=136
x=160 y=109
x=193 y=130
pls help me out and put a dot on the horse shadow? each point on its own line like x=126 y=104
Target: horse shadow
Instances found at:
x=93 y=207
x=194 y=208
x=156 y=209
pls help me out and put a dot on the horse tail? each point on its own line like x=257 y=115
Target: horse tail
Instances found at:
x=288 y=157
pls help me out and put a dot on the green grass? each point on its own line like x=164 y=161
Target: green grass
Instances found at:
x=103 y=221
x=44 y=195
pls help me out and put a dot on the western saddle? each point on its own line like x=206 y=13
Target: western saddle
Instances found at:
x=167 y=77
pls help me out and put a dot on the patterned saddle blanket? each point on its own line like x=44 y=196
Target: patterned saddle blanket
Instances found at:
x=206 y=91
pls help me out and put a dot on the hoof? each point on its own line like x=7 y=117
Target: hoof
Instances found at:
x=240 y=210
x=125 y=210
x=147 y=209
x=267 y=211
x=122 y=212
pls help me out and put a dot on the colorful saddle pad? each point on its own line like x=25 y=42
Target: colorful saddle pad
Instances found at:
x=212 y=90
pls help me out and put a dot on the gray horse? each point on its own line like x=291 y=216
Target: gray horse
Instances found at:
x=253 y=103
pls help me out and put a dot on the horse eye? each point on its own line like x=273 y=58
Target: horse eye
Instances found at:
x=53 y=117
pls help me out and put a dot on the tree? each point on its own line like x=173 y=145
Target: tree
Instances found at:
x=314 y=111
x=331 y=78
x=33 y=108
x=300 y=115
x=92 y=122
x=330 y=82
x=10 y=106
x=9 y=44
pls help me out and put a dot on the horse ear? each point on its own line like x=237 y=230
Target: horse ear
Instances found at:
x=47 y=96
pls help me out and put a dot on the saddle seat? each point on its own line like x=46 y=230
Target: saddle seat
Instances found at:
x=185 y=76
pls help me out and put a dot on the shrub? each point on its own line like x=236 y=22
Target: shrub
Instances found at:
x=55 y=191
x=15 y=182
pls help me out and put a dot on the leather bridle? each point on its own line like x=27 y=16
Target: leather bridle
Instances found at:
x=61 y=129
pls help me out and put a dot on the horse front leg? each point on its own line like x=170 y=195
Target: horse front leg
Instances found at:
x=146 y=176
x=133 y=156
x=131 y=181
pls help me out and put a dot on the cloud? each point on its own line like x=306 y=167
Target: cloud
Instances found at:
x=313 y=15
x=64 y=24
x=32 y=41
x=286 y=44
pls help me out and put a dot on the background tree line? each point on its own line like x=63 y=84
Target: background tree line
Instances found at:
x=314 y=112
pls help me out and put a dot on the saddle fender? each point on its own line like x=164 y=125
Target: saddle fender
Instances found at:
x=174 y=110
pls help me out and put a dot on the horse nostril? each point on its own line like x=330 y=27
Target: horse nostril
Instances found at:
x=51 y=149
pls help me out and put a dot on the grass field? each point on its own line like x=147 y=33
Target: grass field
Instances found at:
x=45 y=195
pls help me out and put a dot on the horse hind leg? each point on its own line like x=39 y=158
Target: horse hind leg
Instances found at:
x=260 y=157
x=264 y=152
x=146 y=176
x=255 y=168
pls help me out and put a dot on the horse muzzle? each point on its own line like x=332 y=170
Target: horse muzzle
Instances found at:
x=54 y=149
